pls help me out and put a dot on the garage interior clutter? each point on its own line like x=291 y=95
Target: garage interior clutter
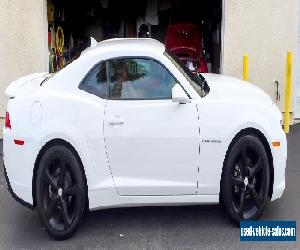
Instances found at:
x=189 y=29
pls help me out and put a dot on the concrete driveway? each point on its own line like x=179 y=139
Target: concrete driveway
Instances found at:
x=193 y=227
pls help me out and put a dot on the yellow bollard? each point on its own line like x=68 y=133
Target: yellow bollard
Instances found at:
x=245 y=67
x=288 y=90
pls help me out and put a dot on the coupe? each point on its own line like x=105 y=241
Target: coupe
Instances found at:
x=127 y=124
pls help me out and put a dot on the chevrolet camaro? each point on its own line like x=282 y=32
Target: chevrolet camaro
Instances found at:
x=127 y=124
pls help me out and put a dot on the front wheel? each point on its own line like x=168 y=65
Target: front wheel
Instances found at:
x=245 y=179
x=60 y=191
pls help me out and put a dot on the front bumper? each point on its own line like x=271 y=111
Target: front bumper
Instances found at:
x=279 y=163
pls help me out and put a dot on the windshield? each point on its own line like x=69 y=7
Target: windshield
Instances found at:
x=197 y=81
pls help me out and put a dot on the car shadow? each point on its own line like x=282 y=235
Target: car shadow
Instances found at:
x=163 y=217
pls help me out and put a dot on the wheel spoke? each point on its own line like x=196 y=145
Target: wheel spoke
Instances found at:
x=73 y=190
x=244 y=157
x=256 y=168
x=50 y=208
x=255 y=196
x=64 y=211
x=242 y=202
x=236 y=180
x=50 y=179
x=62 y=169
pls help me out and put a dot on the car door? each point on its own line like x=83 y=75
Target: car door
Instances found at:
x=152 y=143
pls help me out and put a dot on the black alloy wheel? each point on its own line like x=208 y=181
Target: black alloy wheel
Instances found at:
x=245 y=179
x=60 y=191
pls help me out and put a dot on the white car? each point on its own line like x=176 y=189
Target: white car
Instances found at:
x=127 y=125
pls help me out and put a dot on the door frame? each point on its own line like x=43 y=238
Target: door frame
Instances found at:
x=222 y=36
x=46 y=49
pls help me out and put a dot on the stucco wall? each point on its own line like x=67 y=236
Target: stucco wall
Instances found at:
x=22 y=41
x=264 y=29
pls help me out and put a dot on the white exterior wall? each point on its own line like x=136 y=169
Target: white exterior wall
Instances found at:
x=23 y=46
x=265 y=30
x=297 y=76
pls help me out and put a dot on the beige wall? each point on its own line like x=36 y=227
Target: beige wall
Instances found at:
x=22 y=41
x=264 y=29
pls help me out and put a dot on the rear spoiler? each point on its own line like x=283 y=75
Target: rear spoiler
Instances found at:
x=12 y=88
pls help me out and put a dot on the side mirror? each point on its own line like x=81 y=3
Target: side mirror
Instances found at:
x=179 y=96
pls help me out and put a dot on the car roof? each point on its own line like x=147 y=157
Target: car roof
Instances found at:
x=132 y=44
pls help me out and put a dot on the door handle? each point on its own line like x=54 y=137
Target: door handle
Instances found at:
x=115 y=120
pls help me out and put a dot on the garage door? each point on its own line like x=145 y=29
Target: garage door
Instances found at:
x=75 y=22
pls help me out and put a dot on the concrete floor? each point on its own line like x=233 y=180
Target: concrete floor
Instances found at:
x=194 y=227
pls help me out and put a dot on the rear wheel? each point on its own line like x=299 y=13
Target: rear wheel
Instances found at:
x=245 y=179
x=60 y=191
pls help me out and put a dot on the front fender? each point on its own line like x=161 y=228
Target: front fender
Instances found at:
x=219 y=124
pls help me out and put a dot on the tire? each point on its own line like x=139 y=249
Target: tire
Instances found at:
x=60 y=191
x=245 y=179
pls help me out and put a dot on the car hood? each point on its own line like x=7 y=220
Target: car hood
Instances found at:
x=230 y=88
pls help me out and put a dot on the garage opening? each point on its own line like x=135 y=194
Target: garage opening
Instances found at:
x=190 y=29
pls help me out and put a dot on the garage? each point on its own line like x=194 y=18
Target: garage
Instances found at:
x=190 y=29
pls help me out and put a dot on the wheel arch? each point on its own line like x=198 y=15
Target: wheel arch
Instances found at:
x=52 y=142
x=256 y=132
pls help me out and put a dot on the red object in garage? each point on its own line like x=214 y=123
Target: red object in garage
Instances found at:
x=184 y=40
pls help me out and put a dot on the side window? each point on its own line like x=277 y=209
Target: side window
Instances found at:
x=133 y=78
x=96 y=81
